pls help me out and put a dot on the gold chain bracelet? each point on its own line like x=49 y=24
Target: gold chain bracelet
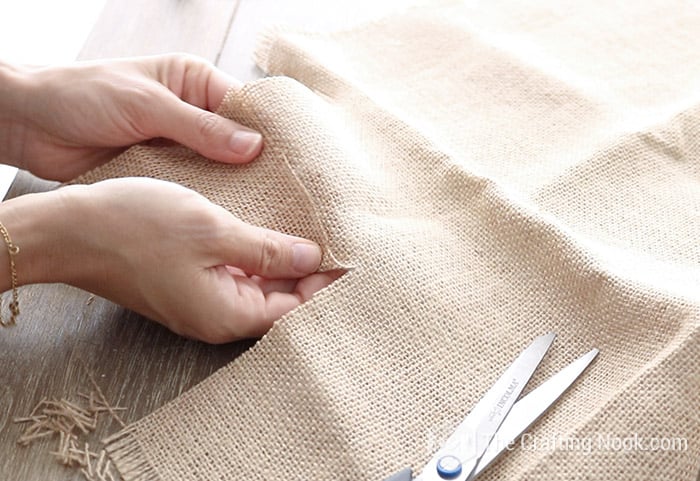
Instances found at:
x=13 y=250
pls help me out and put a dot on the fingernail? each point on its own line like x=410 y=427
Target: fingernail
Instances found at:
x=245 y=142
x=306 y=257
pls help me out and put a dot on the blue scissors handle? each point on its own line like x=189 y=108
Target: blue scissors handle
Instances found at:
x=517 y=420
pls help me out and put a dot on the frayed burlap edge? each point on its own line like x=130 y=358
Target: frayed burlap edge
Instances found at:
x=127 y=454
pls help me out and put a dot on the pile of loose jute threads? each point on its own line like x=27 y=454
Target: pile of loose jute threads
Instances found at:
x=69 y=421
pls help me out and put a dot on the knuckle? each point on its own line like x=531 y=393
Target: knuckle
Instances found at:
x=237 y=326
x=210 y=217
x=207 y=124
x=207 y=328
x=214 y=337
x=181 y=58
x=140 y=111
x=186 y=62
x=270 y=254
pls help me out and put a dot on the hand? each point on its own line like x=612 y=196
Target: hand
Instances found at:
x=167 y=253
x=59 y=122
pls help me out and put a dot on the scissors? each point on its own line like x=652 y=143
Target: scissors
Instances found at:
x=498 y=420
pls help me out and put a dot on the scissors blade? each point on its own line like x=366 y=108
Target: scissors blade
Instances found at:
x=405 y=474
x=531 y=407
x=472 y=437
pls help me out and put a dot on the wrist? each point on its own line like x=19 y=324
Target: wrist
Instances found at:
x=44 y=228
x=15 y=87
x=13 y=79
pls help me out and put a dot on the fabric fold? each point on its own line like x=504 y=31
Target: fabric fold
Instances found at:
x=484 y=188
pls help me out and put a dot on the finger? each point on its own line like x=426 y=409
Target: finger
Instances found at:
x=310 y=285
x=213 y=136
x=254 y=312
x=251 y=317
x=264 y=252
x=278 y=303
x=304 y=287
x=217 y=84
x=234 y=308
x=193 y=79
x=235 y=271
x=250 y=311
x=275 y=285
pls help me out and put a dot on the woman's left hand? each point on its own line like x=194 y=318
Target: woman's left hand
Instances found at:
x=59 y=122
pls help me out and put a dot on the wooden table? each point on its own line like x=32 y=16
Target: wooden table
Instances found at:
x=64 y=332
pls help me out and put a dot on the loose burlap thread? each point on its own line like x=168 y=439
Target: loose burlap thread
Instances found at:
x=487 y=175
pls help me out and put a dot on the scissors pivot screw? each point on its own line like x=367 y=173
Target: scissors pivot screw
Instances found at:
x=449 y=467
x=500 y=417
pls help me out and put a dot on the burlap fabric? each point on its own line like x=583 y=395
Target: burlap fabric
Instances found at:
x=486 y=175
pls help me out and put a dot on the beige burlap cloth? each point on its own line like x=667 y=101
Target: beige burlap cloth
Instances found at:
x=487 y=174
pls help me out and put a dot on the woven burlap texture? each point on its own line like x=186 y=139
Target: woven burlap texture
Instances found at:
x=486 y=175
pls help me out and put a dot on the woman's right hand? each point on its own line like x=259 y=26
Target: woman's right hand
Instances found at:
x=166 y=252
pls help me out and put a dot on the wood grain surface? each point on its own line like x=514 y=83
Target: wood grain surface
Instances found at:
x=62 y=331
x=135 y=27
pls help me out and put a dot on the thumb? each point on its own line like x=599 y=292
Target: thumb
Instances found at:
x=267 y=253
x=212 y=135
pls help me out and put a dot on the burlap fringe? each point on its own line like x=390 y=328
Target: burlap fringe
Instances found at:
x=127 y=455
x=266 y=38
x=264 y=44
